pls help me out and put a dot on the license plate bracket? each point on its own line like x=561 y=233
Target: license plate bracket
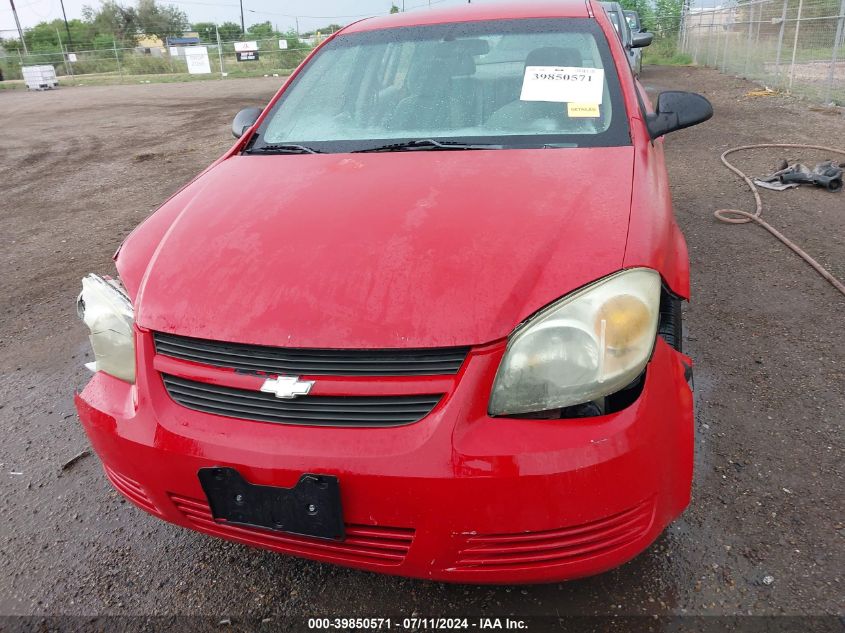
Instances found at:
x=310 y=508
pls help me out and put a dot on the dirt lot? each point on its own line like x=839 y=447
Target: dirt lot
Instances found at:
x=80 y=167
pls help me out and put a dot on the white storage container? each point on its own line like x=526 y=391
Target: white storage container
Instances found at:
x=40 y=77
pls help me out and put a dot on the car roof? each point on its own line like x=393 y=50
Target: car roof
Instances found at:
x=473 y=13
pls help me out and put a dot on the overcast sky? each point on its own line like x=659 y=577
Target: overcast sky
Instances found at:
x=312 y=13
x=282 y=13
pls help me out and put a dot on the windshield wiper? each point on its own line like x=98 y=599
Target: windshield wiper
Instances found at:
x=428 y=143
x=284 y=148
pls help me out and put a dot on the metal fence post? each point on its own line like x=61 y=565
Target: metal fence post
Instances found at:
x=748 y=41
x=837 y=42
x=795 y=44
x=780 y=42
x=710 y=37
x=64 y=57
x=117 y=59
x=717 y=47
x=219 y=51
x=728 y=32
x=697 y=39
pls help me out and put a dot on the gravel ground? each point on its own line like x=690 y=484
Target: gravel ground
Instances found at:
x=80 y=167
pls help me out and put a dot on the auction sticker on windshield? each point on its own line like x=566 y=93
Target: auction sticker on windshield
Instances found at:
x=583 y=110
x=567 y=84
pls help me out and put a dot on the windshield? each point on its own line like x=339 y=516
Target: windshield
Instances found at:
x=515 y=83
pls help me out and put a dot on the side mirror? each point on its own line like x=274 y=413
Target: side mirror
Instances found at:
x=244 y=120
x=677 y=110
x=641 y=39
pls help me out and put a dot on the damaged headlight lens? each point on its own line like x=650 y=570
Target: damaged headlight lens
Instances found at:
x=589 y=344
x=105 y=308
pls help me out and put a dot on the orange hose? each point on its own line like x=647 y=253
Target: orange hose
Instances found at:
x=735 y=216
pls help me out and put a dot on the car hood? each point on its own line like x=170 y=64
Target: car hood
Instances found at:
x=392 y=250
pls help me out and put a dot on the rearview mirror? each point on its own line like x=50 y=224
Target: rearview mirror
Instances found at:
x=244 y=120
x=677 y=110
x=474 y=46
x=639 y=40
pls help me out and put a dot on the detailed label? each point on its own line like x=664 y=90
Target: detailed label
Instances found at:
x=583 y=110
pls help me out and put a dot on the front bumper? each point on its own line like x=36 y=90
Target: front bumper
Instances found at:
x=458 y=496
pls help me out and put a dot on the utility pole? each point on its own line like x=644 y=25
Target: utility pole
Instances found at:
x=18 y=22
x=243 y=28
x=67 y=28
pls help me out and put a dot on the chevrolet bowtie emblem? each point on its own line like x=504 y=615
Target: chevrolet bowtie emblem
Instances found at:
x=287 y=387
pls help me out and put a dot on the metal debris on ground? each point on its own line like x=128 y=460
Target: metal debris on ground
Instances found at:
x=762 y=92
x=75 y=458
x=827 y=174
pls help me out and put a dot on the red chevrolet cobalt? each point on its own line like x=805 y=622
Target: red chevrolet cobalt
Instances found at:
x=423 y=318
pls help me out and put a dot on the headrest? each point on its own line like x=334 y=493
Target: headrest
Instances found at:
x=554 y=56
x=462 y=64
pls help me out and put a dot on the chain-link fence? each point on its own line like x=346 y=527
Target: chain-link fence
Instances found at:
x=273 y=56
x=790 y=45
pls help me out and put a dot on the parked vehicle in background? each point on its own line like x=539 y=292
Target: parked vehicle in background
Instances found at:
x=632 y=42
x=423 y=318
x=634 y=21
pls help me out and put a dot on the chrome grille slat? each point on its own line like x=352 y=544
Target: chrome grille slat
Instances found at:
x=354 y=411
x=361 y=404
x=296 y=361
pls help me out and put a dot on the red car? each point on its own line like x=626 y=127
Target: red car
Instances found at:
x=423 y=318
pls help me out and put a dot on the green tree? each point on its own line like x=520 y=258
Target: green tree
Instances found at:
x=293 y=40
x=45 y=37
x=102 y=41
x=667 y=19
x=161 y=20
x=261 y=30
x=229 y=31
x=643 y=8
x=112 y=18
x=207 y=31
x=11 y=45
x=394 y=9
x=326 y=30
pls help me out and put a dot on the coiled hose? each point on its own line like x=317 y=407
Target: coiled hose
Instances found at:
x=735 y=216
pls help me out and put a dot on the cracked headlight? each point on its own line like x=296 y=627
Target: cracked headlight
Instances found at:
x=587 y=345
x=105 y=308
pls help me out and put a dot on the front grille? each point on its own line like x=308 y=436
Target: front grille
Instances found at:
x=370 y=544
x=313 y=362
x=379 y=411
x=554 y=547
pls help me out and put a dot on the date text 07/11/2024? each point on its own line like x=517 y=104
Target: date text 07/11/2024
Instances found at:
x=417 y=624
